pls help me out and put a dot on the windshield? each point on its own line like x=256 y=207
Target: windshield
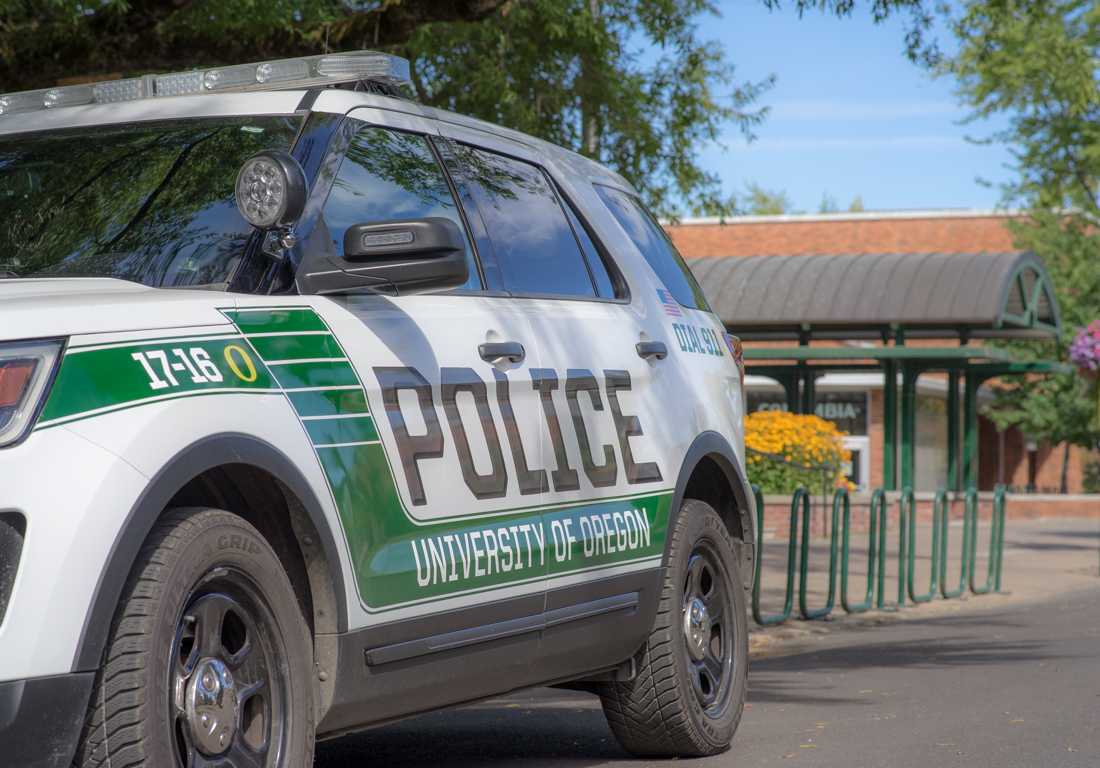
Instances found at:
x=150 y=202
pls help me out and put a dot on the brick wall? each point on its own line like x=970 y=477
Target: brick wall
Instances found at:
x=865 y=233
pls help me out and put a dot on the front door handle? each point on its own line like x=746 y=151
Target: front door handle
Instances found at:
x=497 y=351
x=652 y=350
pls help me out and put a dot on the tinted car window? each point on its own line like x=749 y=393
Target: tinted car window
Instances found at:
x=534 y=245
x=387 y=175
x=650 y=238
x=605 y=286
x=151 y=202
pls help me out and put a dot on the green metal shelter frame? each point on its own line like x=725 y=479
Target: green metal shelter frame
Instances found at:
x=883 y=300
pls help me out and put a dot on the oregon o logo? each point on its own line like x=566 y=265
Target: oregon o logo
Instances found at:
x=236 y=357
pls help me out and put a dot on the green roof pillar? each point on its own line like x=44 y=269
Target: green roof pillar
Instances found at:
x=970 y=429
x=953 y=429
x=889 y=425
x=809 y=391
x=909 y=375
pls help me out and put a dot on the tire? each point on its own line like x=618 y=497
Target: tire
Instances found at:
x=208 y=651
x=673 y=707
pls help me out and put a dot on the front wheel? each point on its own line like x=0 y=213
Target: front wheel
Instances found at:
x=689 y=693
x=210 y=661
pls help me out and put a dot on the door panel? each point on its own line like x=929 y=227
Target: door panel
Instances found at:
x=462 y=440
x=620 y=438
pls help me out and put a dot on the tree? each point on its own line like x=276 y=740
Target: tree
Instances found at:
x=1033 y=62
x=571 y=71
x=764 y=202
x=827 y=204
x=43 y=41
x=628 y=82
x=856 y=206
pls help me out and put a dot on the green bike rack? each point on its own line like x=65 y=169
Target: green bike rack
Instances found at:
x=964 y=558
x=802 y=496
x=878 y=502
x=903 y=527
x=994 y=536
x=792 y=548
x=938 y=509
x=999 y=502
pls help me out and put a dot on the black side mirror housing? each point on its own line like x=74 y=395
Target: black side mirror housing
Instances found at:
x=404 y=256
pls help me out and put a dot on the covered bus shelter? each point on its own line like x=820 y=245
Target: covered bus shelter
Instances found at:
x=901 y=314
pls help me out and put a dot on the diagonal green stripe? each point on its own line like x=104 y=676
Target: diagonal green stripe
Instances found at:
x=334 y=431
x=328 y=374
x=340 y=401
x=277 y=320
x=296 y=347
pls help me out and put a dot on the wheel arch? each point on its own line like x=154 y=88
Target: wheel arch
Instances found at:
x=175 y=482
x=712 y=473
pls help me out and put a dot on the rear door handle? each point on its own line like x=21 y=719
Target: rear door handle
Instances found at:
x=652 y=350
x=496 y=351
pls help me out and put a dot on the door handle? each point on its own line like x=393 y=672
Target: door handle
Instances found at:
x=496 y=351
x=651 y=350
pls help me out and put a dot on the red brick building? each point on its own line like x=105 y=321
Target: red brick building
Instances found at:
x=855 y=400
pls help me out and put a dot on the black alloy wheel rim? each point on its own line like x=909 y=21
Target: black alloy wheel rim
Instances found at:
x=228 y=681
x=709 y=627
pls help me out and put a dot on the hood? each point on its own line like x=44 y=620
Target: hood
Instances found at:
x=64 y=306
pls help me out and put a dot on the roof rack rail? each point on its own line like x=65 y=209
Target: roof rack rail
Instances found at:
x=378 y=71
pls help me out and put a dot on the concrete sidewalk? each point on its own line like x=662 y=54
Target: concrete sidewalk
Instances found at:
x=1042 y=559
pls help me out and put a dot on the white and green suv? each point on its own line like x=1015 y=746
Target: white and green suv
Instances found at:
x=320 y=408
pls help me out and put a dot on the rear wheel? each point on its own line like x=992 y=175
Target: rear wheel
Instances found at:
x=689 y=693
x=210 y=661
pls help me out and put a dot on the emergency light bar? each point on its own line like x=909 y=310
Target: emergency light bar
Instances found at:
x=305 y=72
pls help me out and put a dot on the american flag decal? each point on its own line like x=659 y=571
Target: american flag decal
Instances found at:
x=672 y=308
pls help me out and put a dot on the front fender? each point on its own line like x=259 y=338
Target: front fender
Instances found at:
x=202 y=455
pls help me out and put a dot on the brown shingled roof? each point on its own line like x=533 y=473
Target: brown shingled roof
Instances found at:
x=853 y=234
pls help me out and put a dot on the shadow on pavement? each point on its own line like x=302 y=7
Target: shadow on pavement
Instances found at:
x=1049 y=546
x=564 y=727
x=1074 y=533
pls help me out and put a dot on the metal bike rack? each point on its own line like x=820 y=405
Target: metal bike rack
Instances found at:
x=792 y=544
x=964 y=556
x=840 y=541
x=937 y=510
x=803 y=496
x=996 y=541
x=878 y=504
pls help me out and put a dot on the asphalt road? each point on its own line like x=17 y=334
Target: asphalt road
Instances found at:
x=1015 y=687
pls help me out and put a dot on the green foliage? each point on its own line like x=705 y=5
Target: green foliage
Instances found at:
x=777 y=477
x=1033 y=64
x=573 y=72
x=629 y=82
x=764 y=202
x=856 y=206
x=827 y=204
x=1091 y=480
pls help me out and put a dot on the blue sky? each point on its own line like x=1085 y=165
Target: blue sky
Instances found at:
x=850 y=115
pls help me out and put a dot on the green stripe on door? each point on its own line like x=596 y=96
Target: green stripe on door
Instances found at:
x=337 y=431
x=315 y=374
x=276 y=320
x=304 y=347
x=331 y=402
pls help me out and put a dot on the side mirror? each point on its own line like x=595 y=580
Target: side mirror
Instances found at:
x=407 y=256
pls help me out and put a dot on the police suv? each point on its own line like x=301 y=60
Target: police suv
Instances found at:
x=320 y=408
